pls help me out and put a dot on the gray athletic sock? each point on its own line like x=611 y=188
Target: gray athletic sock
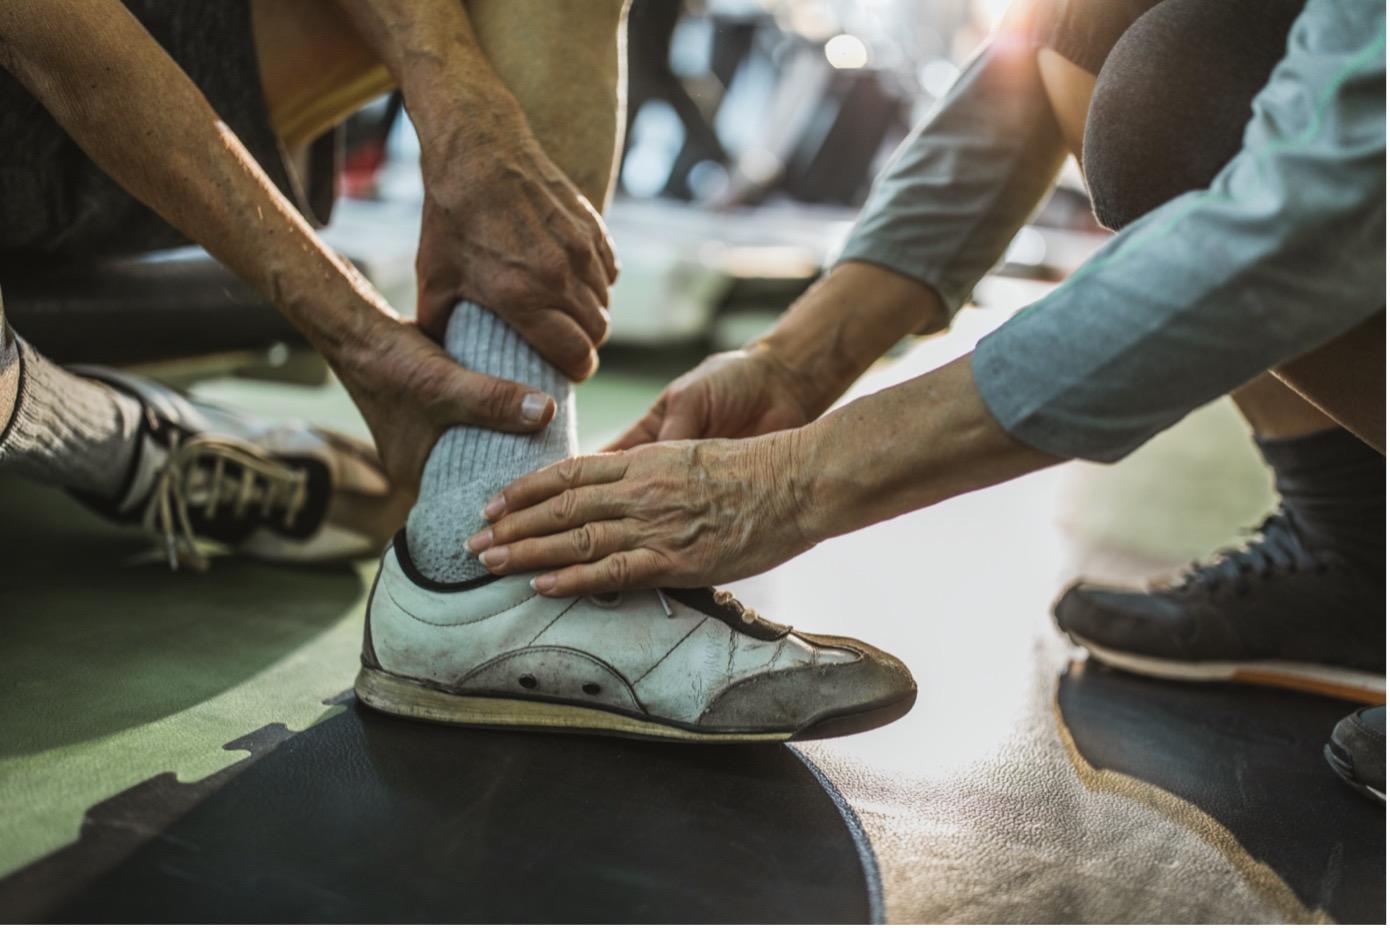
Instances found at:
x=469 y=465
x=67 y=430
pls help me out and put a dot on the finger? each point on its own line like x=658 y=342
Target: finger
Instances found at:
x=643 y=431
x=608 y=254
x=569 y=509
x=588 y=267
x=605 y=248
x=588 y=542
x=622 y=570
x=560 y=340
x=568 y=474
x=471 y=398
x=589 y=312
x=682 y=421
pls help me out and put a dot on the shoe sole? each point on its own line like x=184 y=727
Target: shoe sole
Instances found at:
x=407 y=698
x=1348 y=777
x=1353 y=685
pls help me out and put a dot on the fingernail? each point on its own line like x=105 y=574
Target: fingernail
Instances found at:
x=533 y=407
x=494 y=557
x=495 y=507
x=479 y=542
x=544 y=583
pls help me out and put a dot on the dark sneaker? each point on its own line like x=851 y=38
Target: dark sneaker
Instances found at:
x=279 y=491
x=672 y=665
x=1273 y=612
x=1356 y=751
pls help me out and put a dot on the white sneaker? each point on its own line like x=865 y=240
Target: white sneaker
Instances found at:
x=679 y=665
x=280 y=491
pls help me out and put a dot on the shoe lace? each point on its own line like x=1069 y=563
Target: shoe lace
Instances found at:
x=195 y=475
x=728 y=600
x=721 y=597
x=1275 y=546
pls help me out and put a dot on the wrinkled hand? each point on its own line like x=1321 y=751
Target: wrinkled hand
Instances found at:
x=504 y=227
x=736 y=394
x=679 y=514
x=409 y=391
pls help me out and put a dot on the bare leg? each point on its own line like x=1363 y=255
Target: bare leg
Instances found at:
x=562 y=61
x=1346 y=380
x=565 y=68
x=315 y=70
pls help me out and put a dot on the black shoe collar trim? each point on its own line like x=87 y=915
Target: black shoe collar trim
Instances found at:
x=436 y=586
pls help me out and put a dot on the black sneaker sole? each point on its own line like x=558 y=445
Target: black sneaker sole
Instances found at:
x=1338 y=682
x=406 y=698
x=1343 y=770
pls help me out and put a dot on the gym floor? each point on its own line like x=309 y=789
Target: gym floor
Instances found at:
x=185 y=747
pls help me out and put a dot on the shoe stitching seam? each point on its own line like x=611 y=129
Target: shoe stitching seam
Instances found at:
x=552 y=622
x=424 y=621
x=670 y=651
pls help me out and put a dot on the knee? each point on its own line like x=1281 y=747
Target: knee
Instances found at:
x=1171 y=103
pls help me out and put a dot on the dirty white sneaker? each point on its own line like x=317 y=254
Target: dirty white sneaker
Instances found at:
x=278 y=490
x=680 y=665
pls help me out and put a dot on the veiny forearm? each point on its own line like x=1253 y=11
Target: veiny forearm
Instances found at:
x=430 y=48
x=845 y=323
x=142 y=120
x=903 y=449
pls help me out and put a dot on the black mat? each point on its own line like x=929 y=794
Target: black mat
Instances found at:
x=1252 y=759
x=364 y=818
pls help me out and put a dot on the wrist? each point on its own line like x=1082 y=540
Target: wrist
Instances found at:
x=845 y=323
x=457 y=107
x=814 y=499
x=339 y=312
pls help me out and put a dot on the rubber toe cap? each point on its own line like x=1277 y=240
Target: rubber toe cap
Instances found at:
x=1358 y=745
x=864 y=693
x=1126 y=620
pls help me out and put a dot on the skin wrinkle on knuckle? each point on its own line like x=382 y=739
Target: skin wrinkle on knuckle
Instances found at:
x=583 y=543
x=618 y=569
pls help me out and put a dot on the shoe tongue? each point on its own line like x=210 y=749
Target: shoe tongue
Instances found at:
x=702 y=599
x=149 y=459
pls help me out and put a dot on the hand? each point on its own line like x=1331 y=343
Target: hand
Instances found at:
x=737 y=394
x=409 y=391
x=504 y=227
x=679 y=514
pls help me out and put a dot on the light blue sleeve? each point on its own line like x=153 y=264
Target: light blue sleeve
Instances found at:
x=1282 y=253
x=968 y=177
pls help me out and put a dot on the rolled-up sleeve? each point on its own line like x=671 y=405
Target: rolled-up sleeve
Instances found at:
x=1282 y=253
x=961 y=185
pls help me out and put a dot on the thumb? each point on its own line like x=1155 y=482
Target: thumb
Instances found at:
x=471 y=398
x=683 y=420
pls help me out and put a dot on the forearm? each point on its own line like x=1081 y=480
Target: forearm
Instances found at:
x=430 y=48
x=142 y=120
x=902 y=449
x=845 y=323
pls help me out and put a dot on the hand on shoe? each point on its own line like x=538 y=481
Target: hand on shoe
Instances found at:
x=677 y=514
x=503 y=226
x=409 y=391
x=736 y=394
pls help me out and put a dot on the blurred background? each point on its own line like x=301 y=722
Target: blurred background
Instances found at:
x=754 y=130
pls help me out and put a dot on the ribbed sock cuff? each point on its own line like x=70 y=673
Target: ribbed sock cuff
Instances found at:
x=468 y=465
x=1333 y=483
x=67 y=430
